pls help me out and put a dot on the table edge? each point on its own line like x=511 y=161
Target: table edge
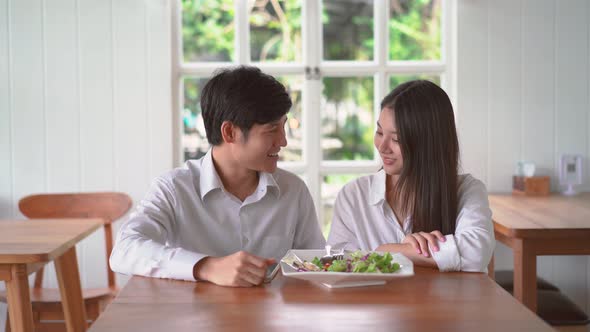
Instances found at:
x=92 y=223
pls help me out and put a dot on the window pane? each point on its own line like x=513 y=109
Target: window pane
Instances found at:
x=208 y=30
x=194 y=137
x=275 y=30
x=347 y=118
x=348 y=29
x=396 y=80
x=415 y=30
x=293 y=128
x=331 y=185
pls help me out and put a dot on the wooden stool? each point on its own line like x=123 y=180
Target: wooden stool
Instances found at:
x=552 y=306
x=557 y=309
x=505 y=278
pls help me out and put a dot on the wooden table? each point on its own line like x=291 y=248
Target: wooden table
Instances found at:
x=535 y=226
x=428 y=301
x=27 y=245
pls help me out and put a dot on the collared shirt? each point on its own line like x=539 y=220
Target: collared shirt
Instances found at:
x=188 y=215
x=364 y=220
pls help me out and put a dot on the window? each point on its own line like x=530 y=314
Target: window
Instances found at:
x=337 y=58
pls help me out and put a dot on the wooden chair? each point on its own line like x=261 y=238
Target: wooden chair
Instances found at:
x=491 y=268
x=109 y=206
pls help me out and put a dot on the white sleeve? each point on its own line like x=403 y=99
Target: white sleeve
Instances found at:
x=341 y=230
x=472 y=246
x=308 y=234
x=141 y=246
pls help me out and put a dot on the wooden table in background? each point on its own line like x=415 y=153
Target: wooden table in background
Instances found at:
x=27 y=245
x=428 y=301
x=536 y=226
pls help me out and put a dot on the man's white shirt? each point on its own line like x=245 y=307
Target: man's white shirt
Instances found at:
x=364 y=220
x=188 y=215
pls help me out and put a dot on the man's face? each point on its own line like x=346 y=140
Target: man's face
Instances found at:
x=260 y=151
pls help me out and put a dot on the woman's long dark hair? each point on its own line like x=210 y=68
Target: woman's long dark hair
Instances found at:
x=428 y=183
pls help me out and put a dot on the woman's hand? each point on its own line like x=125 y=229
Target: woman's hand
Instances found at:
x=421 y=240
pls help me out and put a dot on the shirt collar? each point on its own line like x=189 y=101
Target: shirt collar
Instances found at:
x=377 y=188
x=209 y=179
x=266 y=181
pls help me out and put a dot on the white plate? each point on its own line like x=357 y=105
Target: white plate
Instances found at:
x=345 y=279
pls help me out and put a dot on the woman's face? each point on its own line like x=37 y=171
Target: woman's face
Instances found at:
x=386 y=142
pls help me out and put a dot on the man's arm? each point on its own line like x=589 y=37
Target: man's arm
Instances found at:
x=141 y=248
x=141 y=242
x=308 y=234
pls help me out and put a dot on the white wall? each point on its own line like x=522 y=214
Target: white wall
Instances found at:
x=523 y=94
x=85 y=102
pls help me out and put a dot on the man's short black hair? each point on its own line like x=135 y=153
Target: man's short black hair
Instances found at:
x=244 y=96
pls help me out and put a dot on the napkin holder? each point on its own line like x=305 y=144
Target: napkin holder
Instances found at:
x=531 y=185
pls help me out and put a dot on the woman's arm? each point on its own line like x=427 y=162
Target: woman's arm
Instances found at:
x=471 y=247
x=409 y=251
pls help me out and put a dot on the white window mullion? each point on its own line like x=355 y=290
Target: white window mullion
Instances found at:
x=312 y=151
x=381 y=33
x=381 y=57
x=177 y=83
x=298 y=167
x=316 y=31
x=349 y=167
x=202 y=69
x=312 y=154
x=242 y=32
x=206 y=69
x=355 y=68
x=348 y=68
x=415 y=67
x=449 y=48
x=380 y=91
x=278 y=69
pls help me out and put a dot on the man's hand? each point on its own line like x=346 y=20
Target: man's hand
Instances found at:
x=421 y=240
x=241 y=269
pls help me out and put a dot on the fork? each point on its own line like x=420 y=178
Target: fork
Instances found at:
x=329 y=257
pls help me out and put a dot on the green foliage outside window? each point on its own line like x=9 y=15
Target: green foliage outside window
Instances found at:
x=275 y=30
x=415 y=30
x=208 y=30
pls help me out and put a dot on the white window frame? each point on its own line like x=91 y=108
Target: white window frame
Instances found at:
x=312 y=167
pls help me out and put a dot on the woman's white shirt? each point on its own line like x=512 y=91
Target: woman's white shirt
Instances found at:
x=364 y=220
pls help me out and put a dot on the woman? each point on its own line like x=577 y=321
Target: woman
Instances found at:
x=417 y=204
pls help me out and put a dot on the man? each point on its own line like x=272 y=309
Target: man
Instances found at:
x=226 y=217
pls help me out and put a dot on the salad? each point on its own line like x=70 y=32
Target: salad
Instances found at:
x=357 y=263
